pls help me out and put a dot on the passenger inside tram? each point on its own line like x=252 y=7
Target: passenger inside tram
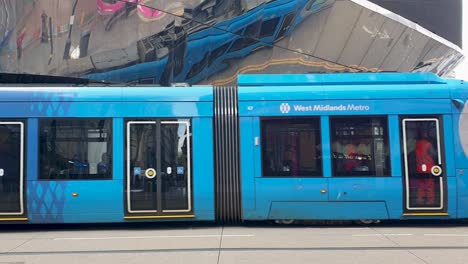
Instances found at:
x=425 y=157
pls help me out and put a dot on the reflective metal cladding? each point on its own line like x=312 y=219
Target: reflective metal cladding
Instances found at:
x=212 y=41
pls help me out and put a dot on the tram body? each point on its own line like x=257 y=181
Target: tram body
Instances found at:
x=384 y=112
x=104 y=118
x=318 y=146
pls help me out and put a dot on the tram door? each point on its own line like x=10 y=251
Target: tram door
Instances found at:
x=158 y=178
x=424 y=173
x=11 y=170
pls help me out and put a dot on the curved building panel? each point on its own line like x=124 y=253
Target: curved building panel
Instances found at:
x=212 y=41
x=442 y=17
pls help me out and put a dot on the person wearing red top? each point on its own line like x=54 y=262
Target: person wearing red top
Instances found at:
x=425 y=154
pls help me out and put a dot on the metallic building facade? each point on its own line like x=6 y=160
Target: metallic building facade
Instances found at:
x=212 y=41
x=442 y=17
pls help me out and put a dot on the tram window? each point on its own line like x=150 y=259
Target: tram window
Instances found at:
x=75 y=149
x=291 y=147
x=360 y=146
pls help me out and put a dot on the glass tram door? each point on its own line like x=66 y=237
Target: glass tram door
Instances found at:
x=141 y=167
x=424 y=174
x=158 y=178
x=11 y=169
x=175 y=161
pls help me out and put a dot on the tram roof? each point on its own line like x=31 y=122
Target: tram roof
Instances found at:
x=259 y=87
x=105 y=94
x=338 y=86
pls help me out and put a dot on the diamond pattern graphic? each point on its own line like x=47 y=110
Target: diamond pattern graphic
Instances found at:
x=46 y=200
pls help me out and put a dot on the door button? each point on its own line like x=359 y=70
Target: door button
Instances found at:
x=436 y=170
x=150 y=173
x=323 y=191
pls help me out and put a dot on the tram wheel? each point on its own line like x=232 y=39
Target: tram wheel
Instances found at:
x=285 y=221
x=367 y=221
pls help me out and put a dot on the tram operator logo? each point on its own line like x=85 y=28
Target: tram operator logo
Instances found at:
x=285 y=108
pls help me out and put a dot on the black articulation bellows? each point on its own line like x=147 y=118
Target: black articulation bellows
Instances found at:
x=227 y=175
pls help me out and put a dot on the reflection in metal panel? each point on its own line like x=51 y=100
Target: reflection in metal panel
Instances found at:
x=212 y=41
x=443 y=17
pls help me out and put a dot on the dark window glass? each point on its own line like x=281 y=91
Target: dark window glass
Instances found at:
x=141 y=149
x=251 y=31
x=269 y=27
x=360 y=146
x=291 y=147
x=242 y=43
x=175 y=140
x=110 y=1
x=11 y=178
x=75 y=149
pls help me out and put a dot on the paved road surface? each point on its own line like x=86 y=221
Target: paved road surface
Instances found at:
x=205 y=243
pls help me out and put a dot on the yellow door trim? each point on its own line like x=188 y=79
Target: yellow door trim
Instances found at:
x=158 y=216
x=425 y=214
x=14 y=219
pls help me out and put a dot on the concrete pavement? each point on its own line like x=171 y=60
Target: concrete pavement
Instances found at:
x=235 y=244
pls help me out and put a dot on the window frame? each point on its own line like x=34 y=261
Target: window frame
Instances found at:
x=110 y=144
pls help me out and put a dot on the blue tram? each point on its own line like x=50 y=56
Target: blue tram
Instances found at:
x=276 y=147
